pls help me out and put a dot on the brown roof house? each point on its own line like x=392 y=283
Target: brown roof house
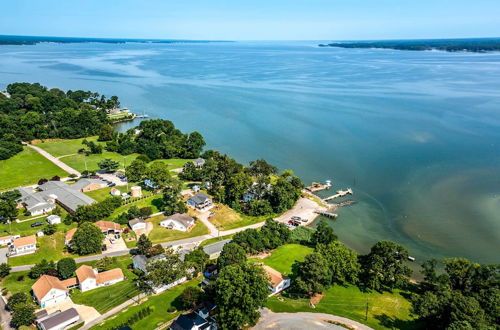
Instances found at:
x=108 y=227
x=277 y=282
x=22 y=245
x=69 y=236
x=89 y=278
x=49 y=290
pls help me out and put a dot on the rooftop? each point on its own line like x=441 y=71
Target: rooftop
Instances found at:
x=215 y=247
x=46 y=283
x=274 y=276
x=200 y=198
x=22 y=241
x=183 y=218
x=58 y=318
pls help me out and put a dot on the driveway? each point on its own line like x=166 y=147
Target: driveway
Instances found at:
x=54 y=160
x=304 y=208
x=118 y=245
x=87 y=313
x=304 y=320
x=3 y=255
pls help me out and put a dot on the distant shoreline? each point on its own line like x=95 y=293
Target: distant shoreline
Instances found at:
x=478 y=45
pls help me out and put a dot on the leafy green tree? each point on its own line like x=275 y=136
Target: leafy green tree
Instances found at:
x=460 y=273
x=50 y=229
x=262 y=167
x=166 y=270
x=194 y=145
x=87 y=239
x=324 y=234
x=66 y=268
x=259 y=207
x=384 y=267
x=159 y=174
x=198 y=258
x=191 y=297
x=104 y=264
x=8 y=205
x=108 y=165
x=274 y=234
x=313 y=275
x=4 y=270
x=136 y=171
x=236 y=186
x=16 y=298
x=342 y=262
x=106 y=133
x=23 y=314
x=191 y=172
x=241 y=290
x=251 y=241
x=42 y=268
x=232 y=254
x=143 y=245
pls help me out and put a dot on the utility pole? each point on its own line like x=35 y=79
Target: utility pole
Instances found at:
x=366 y=313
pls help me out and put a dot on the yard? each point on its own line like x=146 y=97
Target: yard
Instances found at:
x=226 y=218
x=159 y=305
x=160 y=234
x=283 y=258
x=385 y=310
x=25 y=168
x=49 y=247
x=24 y=228
x=101 y=194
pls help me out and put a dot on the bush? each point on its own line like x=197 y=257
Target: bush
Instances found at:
x=301 y=235
x=4 y=270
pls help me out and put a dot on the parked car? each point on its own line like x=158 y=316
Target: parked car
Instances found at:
x=295 y=218
x=112 y=184
x=37 y=224
x=117 y=236
x=304 y=220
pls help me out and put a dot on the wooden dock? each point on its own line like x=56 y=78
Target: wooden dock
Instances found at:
x=316 y=186
x=340 y=193
x=327 y=214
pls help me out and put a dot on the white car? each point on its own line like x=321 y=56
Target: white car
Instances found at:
x=112 y=240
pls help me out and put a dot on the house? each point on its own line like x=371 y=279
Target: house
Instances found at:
x=49 y=290
x=142 y=262
x=277 y=282
x=54 y=219
x=115 y=192
x=199 y=162
x=196 y=188
x=200 y=201
x=214 y=250
x=6 y=240
x=182 y=222
x=89 y=279
x=59 y=320
x=192 y=321
x=108 y=227
x=85 y=185
x=207 y=310
x=44 y=199
x=137 y=224
x=69 y=236
x=23 y=245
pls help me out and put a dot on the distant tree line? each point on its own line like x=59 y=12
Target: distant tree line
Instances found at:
x=35 y=112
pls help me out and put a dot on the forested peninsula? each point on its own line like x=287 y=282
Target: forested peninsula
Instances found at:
x=449 y=45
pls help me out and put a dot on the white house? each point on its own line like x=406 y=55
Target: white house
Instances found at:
x=49 y=290
x=199 y=162
x=89 y=279
x=6 y=240
x=277 y=282
x=137 y=224
x=182 y=222
x=23 y=245
x=54 y=219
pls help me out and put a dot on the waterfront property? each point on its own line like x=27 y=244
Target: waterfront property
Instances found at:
x=200 y=202
x=22 y=246
x=182 y=222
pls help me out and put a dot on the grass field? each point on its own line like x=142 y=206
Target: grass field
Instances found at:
x=101 y=194
x=49 y=247
x=160 y=234
x=159 y=305
x=18 y=282
x=24 y=228
x=27 y=167
x=283 y=258
x=226 y=218
x=385 y=311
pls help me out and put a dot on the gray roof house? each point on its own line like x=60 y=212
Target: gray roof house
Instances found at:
x=200 y=201
x=85 y=184
x=51 y=192
x=59 y=320
x=214 y=250
x=199 y=162
x=178 y=221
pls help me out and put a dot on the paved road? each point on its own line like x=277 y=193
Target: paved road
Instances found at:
x=3 y=255
x=5 y=316
x=54 y=160
x=304 y=320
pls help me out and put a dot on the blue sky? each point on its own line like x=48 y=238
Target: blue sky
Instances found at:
x=253 y=20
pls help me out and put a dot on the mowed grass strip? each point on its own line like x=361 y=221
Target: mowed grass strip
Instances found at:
x=160 y=234
x=284 y=257
x=226 y=218
x=25 y=168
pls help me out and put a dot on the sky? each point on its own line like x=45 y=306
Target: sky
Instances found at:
x=252 y=20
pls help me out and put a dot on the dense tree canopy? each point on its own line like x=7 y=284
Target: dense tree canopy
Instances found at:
x=87 y=239
x=66 y=267
x=342 y=262
x=8 y=205
x=313 y=275
x=232 y=254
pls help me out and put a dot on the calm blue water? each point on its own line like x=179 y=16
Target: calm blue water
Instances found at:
x=415 y=134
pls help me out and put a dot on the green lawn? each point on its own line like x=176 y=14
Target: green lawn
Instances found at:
x=283 y=258
x=159 y=305
x=49 y=247
x=160 y=234
x=385 y=311
x=100 y=194
x=154 y=201
x=17 y=282
x=226 y=218
x=24 y=228
x=27 y=167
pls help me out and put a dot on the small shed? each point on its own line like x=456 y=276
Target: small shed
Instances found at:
x=54 y=219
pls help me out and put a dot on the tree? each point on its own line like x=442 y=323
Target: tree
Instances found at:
x=384 y=267
x=324 y=234
x=241 y=290
x=16 y=298
x=262 y=167
x=143 y=245
x=87 y=239
x=108 y=165
x=158 y=173
x=197 y=258
x=313 y=275
x=4 y=270
x=66 y=267
x=194 y=145
x=8 y=205
x=24 y=314
x=50 y=229
x=136 y=171
x=191 y=297
x=42 y=268
x=104 y=264
x=106 y=133
x=460 y=273
x=236 y=186
x=231 y=254
x=342 y=262
x=165 y=270
x=155 y=250
x=259 y=207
